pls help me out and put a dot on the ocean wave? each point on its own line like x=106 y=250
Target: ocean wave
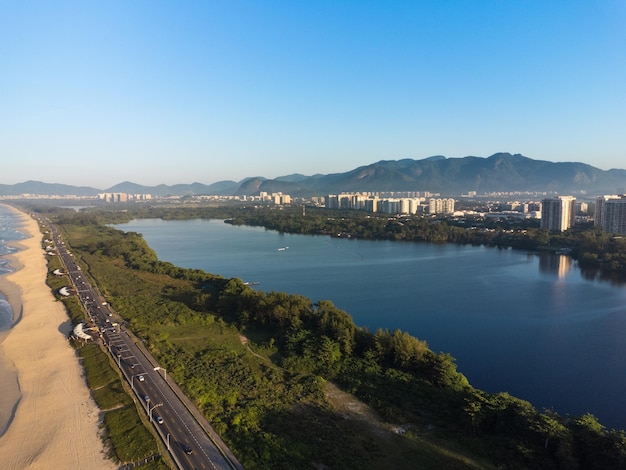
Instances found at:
x=6 y=313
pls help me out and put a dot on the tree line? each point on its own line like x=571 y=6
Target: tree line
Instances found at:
x=599 y=254
x=253 y=405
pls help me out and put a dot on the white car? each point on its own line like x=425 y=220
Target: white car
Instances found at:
x=159 y=419
x=140 y=377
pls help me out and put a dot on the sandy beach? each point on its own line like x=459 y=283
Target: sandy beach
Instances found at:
x=52 y=419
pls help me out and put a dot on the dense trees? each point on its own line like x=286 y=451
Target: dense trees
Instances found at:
x=191 y=319
x=597 y=252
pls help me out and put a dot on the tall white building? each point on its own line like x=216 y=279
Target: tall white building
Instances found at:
x=414 y=204
x=358 y=201
x=610 y=213
x=557 y=213
x=440 y=206
x=404 y=206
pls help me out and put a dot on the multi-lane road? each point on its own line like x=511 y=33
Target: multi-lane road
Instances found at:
x=189 y=438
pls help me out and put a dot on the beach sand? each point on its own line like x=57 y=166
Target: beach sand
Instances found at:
x=52 y=419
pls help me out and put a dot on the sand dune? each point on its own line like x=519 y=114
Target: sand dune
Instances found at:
x=55 y=422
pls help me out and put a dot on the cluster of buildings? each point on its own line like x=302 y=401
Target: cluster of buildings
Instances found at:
x=275 y=198
x=558 y=213
x=123 y=197
x=610 y=213
x=402 y=203
x=262 y=198
x=555 y=213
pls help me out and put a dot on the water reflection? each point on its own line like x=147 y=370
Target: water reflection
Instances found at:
x=595 y=274
x=511 y=326
x=558 y=265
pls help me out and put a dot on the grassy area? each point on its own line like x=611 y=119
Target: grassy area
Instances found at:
x=72 y=305
x=197 y=338
x=270 y=417
x=128 y=435
x=125 y=431
x=350 y=441
x=95 y=362
x=279 y=415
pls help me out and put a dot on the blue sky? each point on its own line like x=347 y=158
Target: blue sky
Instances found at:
x=96 y=93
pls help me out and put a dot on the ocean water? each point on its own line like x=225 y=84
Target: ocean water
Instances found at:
x=9 y=232
x=6 y=313
x=530 y=325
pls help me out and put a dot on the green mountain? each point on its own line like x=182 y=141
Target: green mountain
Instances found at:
x=39 y=188
x=501 y=172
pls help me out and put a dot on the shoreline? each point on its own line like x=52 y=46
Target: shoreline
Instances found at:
x=48 y=418
x=10 y=393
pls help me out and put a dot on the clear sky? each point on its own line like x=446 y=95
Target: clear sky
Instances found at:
x=151 y=91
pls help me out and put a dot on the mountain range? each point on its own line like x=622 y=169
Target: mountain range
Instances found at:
x=501 y=172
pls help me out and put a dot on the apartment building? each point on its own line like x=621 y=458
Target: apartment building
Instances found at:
x=557 y=213
x=610 y=213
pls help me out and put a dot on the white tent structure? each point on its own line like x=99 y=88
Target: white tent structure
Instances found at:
x=80 y=333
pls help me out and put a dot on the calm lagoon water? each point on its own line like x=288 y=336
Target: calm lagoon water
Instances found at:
x=529 y=325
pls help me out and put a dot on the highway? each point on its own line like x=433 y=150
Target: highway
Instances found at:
x=189 y=438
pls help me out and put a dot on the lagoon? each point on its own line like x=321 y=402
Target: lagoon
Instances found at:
x=529 y=325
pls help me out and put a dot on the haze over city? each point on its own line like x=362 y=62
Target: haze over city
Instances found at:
x=159 y=92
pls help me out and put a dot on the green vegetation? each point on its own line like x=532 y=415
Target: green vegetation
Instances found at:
x=72 y=305
x=269 y=402
x=124 y=431
x=598 y=253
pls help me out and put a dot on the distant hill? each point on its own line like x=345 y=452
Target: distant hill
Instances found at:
x=47 y=189
x=502 y=172
x=223 y=188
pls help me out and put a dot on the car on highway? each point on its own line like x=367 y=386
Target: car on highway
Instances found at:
x=146 y=398
x=158 y=419
x=140 y=377
x=187 y=449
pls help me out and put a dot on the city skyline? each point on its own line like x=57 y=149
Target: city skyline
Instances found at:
x=101 y=93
